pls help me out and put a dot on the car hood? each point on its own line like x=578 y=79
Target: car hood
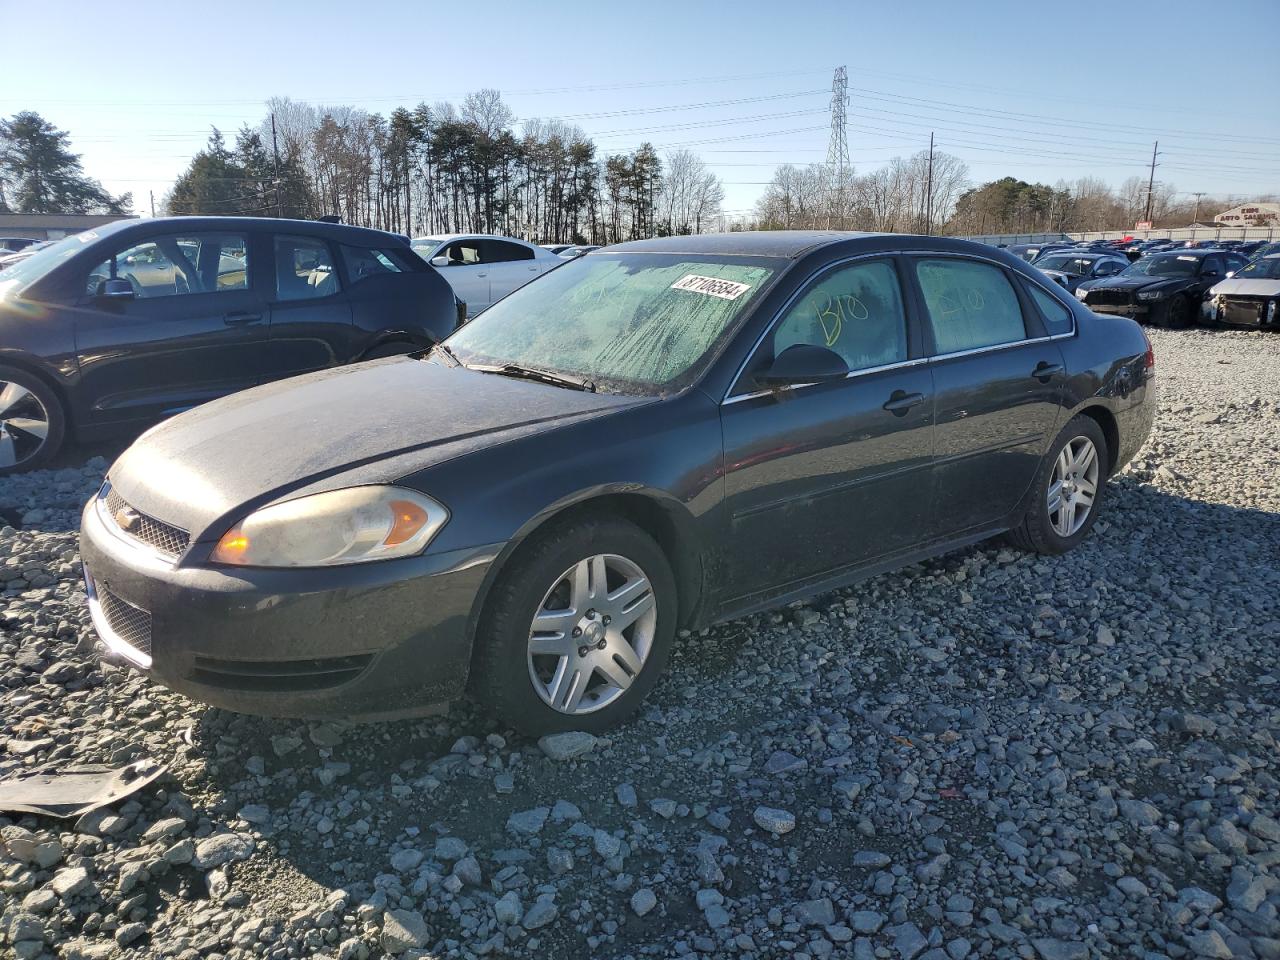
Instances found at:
x=1247 y=288
x=1134 y=283
x=248 y=449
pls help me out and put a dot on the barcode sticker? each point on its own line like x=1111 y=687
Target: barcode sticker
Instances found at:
x=711 y=286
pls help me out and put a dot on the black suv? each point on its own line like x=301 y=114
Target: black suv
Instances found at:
x=1166 y=289
x=112 y=329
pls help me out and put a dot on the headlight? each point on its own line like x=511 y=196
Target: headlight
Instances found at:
x=355 y=525
x=1150 y=294
x=1082 y=294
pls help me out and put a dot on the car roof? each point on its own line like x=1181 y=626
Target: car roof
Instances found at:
x=746 y=243
x=341 y=232
x=446 y=237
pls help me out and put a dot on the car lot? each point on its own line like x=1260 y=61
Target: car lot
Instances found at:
x=990 y=754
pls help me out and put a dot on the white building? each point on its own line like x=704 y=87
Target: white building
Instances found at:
x=1250 y=215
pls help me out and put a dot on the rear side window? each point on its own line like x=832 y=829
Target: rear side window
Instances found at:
x=304 y=269
x=500 y=251
x=362 y=262
x=971 y=305
x=1057 y=318
x=855 y=311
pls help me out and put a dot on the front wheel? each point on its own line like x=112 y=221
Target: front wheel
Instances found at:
x=31 y=421
x=578 y=630
x=1178 y=313
x=1069 y=488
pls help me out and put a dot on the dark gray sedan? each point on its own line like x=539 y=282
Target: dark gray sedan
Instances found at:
x=655 y=436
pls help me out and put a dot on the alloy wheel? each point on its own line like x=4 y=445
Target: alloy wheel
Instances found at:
x=1074 y=486
x=591 y=634
x=24 y=424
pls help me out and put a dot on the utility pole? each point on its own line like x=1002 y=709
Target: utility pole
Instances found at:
x=152 y=195
x=1198 y=194
x=838 y=148
x=275 y=152
x=1151 y=182
x=928 y=211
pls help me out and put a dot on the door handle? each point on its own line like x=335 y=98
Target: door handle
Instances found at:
x=481 y=274
x=534 y=269
x=1046 y=371
x=900 y=402
x=241 y=319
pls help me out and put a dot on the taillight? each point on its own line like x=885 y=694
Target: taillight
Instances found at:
x=1149 y=361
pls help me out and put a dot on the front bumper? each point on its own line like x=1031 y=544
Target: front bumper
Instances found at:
x=364 y=641
x=1136 y=311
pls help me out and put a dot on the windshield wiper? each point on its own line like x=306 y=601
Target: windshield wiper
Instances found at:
x=448 y=352
x=542 y=376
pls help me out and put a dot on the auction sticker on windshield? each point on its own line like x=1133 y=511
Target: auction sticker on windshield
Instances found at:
x=711 y=286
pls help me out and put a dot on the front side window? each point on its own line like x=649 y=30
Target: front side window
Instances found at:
x=630 y=322
x=463 y=253
x=856 y=311
x=304 y=269
x=174 y=266
x=971 y=305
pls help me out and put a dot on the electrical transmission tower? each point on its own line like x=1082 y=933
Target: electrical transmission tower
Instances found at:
x=838 y=149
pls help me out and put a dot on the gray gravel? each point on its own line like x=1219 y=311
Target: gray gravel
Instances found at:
x=987 y=755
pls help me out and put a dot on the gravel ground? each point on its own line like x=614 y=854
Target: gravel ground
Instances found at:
x=991 y=754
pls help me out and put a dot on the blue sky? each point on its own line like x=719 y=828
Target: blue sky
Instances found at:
x=1038 y=91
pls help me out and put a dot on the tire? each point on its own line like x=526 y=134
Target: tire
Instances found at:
x=518 y=683
x=1043 y=530
x=1177 y=314
x=32 y=421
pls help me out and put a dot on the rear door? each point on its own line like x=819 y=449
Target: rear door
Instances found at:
x=831 y=475
x=998 y=377
x=193 y=329
x=311 y=323
x=511 y=266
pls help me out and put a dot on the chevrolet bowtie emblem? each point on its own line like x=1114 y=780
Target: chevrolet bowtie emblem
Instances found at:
x=127 y=518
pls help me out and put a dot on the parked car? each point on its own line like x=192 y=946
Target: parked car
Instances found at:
x=1251 y=248
x=1069 y=268
x=14 y=244
x=483 y=269
x=578 y=250
x=1030 y=251
x=109 y=330
x=9 y=259
x=1265 y=250
x=1250 y=298
x=556 y=248
x=1165 y=288
x=655 y=436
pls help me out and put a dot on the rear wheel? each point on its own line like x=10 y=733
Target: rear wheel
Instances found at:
x=1069 y=489
x=32 y=422
x=578 y=630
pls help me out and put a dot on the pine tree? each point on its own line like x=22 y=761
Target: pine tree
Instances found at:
x=40 y=174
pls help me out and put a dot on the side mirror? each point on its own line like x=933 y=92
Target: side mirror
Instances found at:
x=1230 y=274
x=439 y=261
x=115 y=288
x=803 y=363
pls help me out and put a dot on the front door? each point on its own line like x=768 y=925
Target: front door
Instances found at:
x=826 y=476
x=192 y=330
x=467 y=273
x=998 y=378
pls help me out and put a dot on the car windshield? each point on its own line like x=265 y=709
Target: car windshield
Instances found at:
x=423 y=246
x=34 y=267
x=1268 y=268
x=628 y=322
x=1067 y=264
x=1163 y=265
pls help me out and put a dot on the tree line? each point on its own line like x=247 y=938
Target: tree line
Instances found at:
x=934 y=195
x=447 y=169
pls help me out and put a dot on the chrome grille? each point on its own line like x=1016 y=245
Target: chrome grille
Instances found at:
x=167 y=539
x=131 y=624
